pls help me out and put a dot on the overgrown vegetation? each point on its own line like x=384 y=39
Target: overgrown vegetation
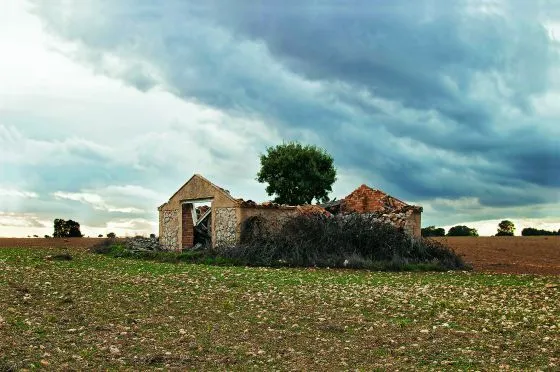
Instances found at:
x=353 y=241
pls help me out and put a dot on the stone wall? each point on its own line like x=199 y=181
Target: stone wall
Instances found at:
x=169 y=229
x=274 y=216
x=225 y=226
x=406 y=219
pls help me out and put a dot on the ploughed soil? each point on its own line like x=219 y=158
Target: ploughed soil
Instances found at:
x=503 y=254
x=509 y=254
x=70 y=243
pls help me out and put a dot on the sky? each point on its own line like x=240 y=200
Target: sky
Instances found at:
x=108 y=107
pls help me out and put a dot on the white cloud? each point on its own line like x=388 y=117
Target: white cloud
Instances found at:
x=18 y=193
x=96 y=201
x=21 y=220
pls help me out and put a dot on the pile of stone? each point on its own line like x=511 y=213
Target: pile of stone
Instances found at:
x=141 y=244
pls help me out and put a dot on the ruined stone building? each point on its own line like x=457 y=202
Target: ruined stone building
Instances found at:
x=201 y=212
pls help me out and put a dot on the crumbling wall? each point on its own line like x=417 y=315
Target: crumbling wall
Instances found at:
x=407 y=219
x=275 y=216
x=169 y=231
x=383 y=207
x=226 y=226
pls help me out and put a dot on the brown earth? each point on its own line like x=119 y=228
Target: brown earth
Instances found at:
x=507 y=254
x=70 y=243
x=516 y=255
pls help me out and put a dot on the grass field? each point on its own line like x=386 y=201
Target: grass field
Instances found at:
x=98 y=312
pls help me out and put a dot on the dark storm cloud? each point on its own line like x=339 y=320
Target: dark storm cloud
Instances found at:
x=434 y=98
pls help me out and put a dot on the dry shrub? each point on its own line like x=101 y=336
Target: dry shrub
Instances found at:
x=358 y=241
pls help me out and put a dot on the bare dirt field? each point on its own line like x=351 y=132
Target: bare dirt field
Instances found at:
x=507 y=254
x=70 y=243
x=516 y=255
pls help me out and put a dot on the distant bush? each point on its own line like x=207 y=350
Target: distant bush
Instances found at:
x=111 y=235
x=530 y=231
x=462 y=230
x=352 y=241
x=432 y=231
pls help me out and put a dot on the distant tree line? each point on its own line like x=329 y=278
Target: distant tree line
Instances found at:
x=460 y=230
x=531 y=231
x=505 y=228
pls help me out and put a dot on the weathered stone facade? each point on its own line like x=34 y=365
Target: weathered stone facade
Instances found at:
x=226 y=226
x=169 y=229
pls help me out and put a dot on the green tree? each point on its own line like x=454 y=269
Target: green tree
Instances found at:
x=505 y=228
x=462 y=230
x=66 y=229
x=297 y=174
x=432 y=231
x=111 y=235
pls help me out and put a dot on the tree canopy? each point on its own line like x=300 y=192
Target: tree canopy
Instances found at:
x=66 y=229
x=462 y=230
x=505 y=228
x=297 y=174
